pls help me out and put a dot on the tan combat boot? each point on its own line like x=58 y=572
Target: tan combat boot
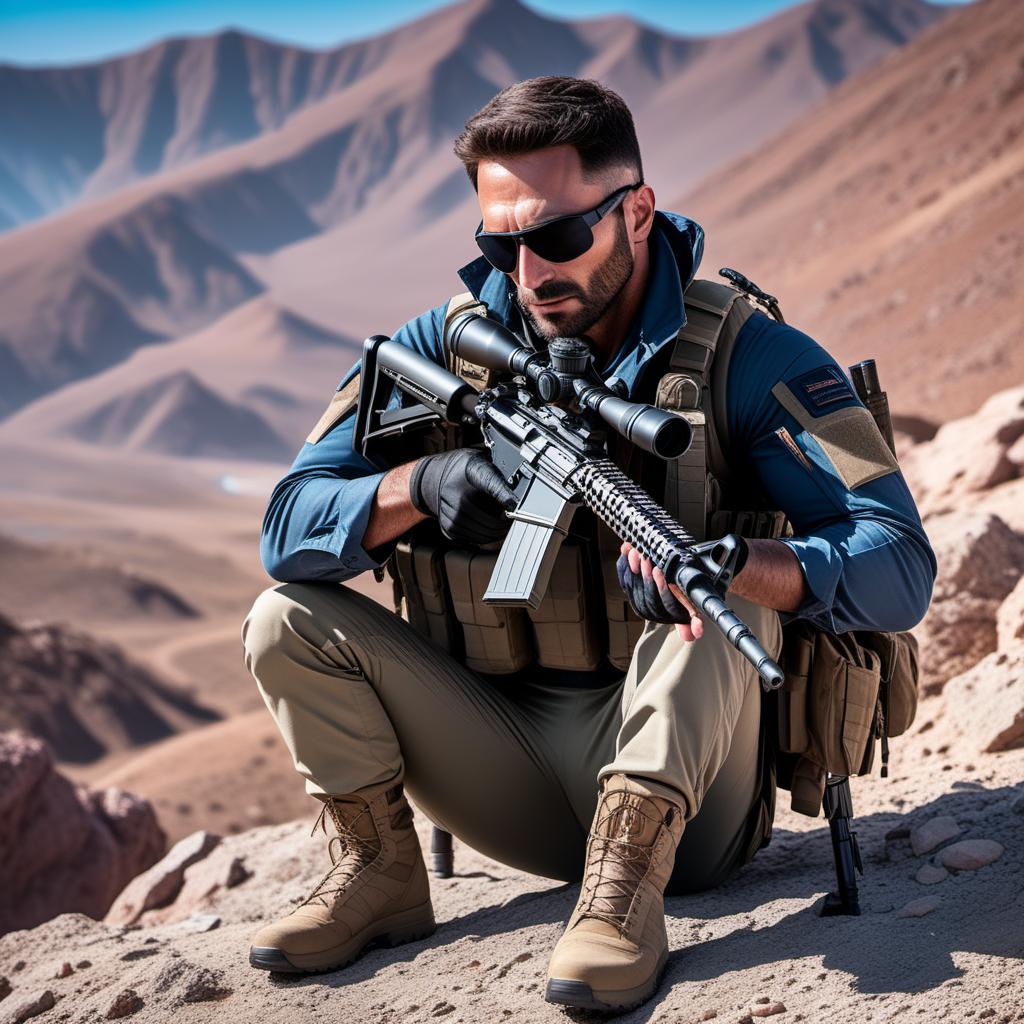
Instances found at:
x=614 y=948
x=376 y=891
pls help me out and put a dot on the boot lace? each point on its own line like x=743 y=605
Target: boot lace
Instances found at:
x=352 y=854
x=616 y=866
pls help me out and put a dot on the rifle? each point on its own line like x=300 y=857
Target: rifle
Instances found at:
x=546 y=433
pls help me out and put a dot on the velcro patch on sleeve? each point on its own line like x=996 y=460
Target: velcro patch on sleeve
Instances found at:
x=823 y=390
x=848 y=436
x=344 y=399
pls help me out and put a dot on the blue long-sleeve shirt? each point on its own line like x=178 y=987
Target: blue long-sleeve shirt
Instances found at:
x=863 y=551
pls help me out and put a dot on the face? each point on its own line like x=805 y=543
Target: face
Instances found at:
x=563 y=299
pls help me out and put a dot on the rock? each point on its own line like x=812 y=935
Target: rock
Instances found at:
x=931 y=875
x=43 y=1002
x=767 y=1011
x=926 y=837
x=64 y=848
x=127 y=1003
x=980 y=561
x=83 y=964
x=162 y=882
x=987 y=701
x=968 y=455
x=919 y=907
x=1010 y=617
x=64 y=971
x=201 y=923
x=970 y=854
x=203 y=880
x=187 y=982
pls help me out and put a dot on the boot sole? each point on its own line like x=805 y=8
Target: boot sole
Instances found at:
x=408 y=926
x=580 y=994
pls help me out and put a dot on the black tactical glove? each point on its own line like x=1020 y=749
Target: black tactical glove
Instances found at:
x=645 y=599
x=656 y=605
x=465 y=492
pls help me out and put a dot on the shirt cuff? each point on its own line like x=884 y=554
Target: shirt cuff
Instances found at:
x=345 y=542
x=822 y=567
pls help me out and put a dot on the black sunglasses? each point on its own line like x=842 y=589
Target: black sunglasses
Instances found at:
x=557 y=240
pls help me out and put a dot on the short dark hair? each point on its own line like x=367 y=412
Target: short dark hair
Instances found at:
x=553 y=110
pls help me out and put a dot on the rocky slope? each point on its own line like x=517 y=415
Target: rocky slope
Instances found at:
x=64 y=848
x=83 y=696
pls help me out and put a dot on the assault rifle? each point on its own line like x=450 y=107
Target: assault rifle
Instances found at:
x=546 y=432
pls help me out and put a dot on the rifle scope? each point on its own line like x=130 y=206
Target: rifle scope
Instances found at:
x=489 y=344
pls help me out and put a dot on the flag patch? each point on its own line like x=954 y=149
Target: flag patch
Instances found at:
x=823 y=390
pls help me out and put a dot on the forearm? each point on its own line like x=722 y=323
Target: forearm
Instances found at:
x=392 y=512
x=771 y=577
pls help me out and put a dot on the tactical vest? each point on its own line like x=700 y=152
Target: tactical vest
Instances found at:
x=584 y=620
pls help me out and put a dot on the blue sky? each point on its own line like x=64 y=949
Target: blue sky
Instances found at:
x=38 y=32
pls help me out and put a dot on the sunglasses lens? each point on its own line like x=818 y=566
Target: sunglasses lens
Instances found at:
x=501 y=253
x=562 y=240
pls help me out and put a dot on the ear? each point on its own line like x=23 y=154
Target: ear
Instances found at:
x=640 y=213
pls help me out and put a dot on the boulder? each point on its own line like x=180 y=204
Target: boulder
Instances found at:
x=162 y=882
x=966 y=456
x=985 y=704
x=970 y=854
x=64 y=848
x=980 y=562
x=932 y=833
x=1010 y=617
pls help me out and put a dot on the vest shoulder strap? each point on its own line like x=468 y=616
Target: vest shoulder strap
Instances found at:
x=462 y=303
x=714 y=315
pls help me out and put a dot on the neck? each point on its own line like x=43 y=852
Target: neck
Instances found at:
x=608 y=333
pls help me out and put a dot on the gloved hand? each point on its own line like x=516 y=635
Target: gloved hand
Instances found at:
x=465 y=492
x=646 y=599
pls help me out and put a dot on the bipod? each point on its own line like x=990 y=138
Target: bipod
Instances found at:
x=838 y=806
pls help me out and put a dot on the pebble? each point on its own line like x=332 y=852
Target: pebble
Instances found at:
x=929 y=874
x=43 y=1002
x=768 y=1011
x=127 y=1003
x=970 y=854
x=919 y=907
x=83 y=964
x=201 y=923
x=709 y=1015
x=926 y=837
x=64 y=971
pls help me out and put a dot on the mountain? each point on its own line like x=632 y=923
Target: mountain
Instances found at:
x=259 y=358
x=83 y=696
x=889 y=220
x=362 y=144
x=179 y=415
x=71 y=586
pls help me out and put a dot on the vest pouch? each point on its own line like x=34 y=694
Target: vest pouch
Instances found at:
x=843 y=691
x=497 y=640
x=419 y=570
x=900 y=675
x=563 y=623
x=792 y=698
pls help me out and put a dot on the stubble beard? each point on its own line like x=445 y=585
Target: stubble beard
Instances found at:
x=605 y=286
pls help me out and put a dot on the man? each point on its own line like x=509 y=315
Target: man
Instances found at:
x=661 y=756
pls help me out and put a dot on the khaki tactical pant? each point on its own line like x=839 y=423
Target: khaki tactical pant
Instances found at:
x=512 y=768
